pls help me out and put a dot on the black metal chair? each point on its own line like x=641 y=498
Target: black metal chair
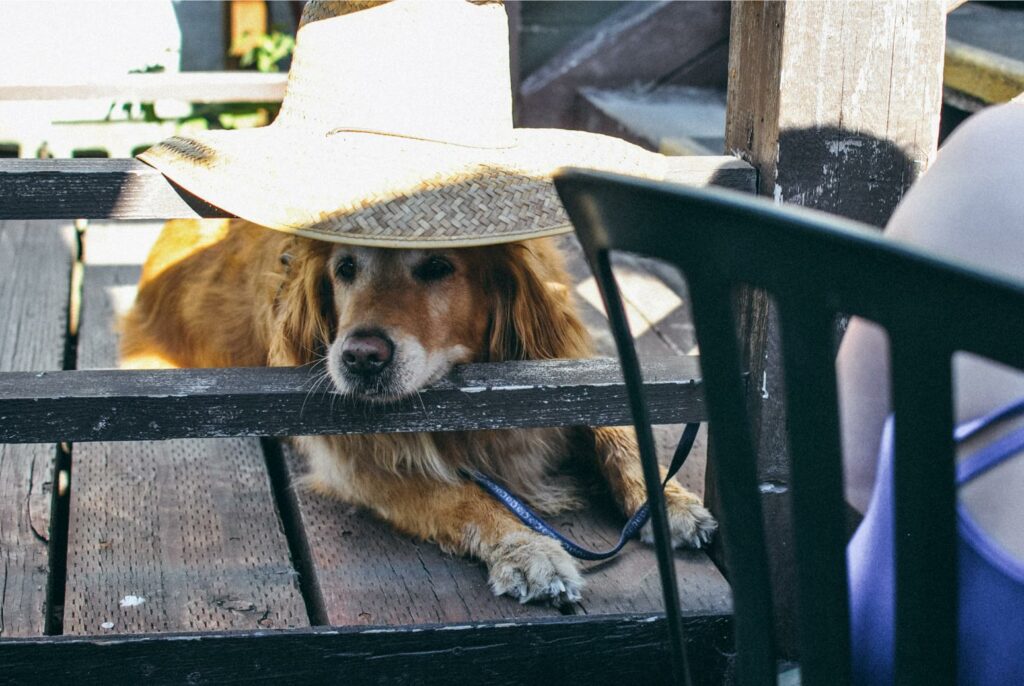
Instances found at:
x=815 y=267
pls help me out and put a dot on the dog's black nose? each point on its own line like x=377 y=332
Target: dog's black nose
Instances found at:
x=367 y=354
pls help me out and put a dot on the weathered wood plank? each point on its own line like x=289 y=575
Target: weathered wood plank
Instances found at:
x=35 y=264
x=366 y=573
x=129 y=189
x=169 y=536
x=630 y=582
x=837 y=106
x=93 y=189
x=214 y=86
x=612 y=650
x=369 y=574
x=643 y=42
x=110 y=405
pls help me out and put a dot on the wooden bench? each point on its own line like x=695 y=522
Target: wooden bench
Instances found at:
x=214 y=537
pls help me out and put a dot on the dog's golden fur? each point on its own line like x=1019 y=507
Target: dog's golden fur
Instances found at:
x=228 y=294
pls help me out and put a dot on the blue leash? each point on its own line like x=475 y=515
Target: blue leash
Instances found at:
x=533 y=520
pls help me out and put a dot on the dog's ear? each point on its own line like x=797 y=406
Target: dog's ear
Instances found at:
x=304 y=319
x=533 y=317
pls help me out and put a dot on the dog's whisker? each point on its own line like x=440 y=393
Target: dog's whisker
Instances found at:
x=319 y=381
x=316 y=383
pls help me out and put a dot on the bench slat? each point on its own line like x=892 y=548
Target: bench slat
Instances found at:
x=117 y=405
x=129 y=189
x=174 y=535
x=93 y=189
x=35 y=261
x=593 y=651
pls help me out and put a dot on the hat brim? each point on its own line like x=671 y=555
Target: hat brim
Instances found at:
x=372 y=189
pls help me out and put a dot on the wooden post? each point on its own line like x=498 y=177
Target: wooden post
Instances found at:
x=837 y=107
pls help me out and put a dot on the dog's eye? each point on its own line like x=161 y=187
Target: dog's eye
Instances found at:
x=434 y=269
x=346 y=268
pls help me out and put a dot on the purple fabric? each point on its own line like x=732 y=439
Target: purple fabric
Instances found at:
x=991 y=589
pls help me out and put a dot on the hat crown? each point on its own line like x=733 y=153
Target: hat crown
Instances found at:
x=434 y=70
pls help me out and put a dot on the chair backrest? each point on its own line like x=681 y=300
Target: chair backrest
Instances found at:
x=815 y=267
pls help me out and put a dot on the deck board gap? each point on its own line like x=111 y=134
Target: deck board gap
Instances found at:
x=57 y=545
x=283 y=488
x=60 y=495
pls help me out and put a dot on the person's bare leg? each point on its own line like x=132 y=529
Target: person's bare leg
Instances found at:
x=968 y=207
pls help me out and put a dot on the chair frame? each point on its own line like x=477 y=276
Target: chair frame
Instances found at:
x=816 y=267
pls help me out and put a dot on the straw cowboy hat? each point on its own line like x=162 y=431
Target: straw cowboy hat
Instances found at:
x=396 y=131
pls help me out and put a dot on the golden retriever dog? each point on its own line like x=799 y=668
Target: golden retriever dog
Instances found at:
x=385 y=323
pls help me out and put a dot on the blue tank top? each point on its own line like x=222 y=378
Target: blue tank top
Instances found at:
x=991 y=581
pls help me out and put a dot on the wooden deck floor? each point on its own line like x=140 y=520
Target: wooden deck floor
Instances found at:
x=212 y=534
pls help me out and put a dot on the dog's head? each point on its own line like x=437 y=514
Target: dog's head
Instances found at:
x=390 y=322
x=404 y=317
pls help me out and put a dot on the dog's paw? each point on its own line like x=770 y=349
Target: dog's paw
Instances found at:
x=689 y=521
x=529 y=566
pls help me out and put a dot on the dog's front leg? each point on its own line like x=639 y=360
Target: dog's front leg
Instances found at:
x=618 y=459
x=462 y=519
